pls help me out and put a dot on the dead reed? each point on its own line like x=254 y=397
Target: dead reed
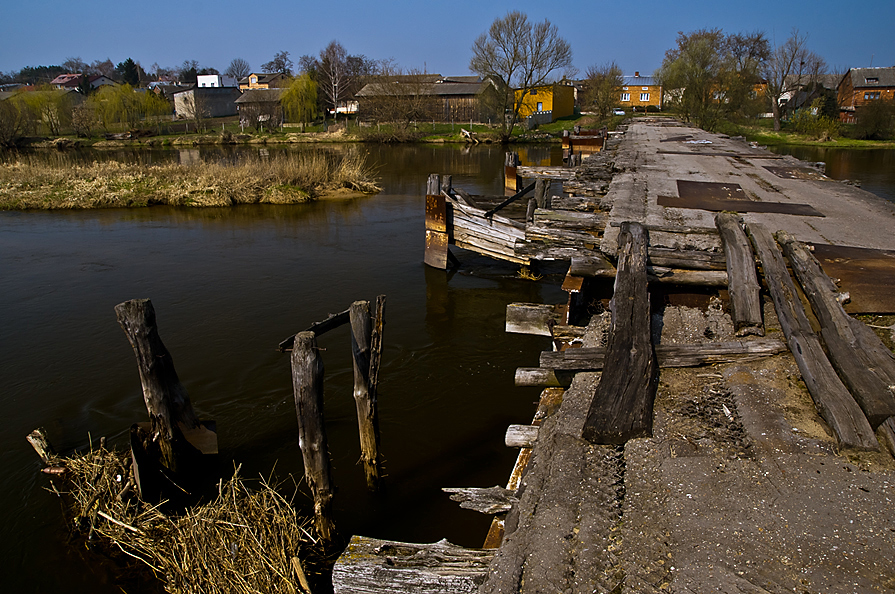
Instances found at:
x=280 y=179
x=244 y=541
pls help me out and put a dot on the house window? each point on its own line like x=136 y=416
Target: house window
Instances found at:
x=871 y=80
x=253 y=80
x=868 y=96
x=626 y=96
x=534 y=91
x=644 y=88
x=540 y=106
x=624 y=88
x=644 y=96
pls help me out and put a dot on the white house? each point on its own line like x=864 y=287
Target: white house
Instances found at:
x=215 y=80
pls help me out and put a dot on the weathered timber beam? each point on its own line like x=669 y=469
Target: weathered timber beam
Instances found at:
x=544 y=377
x=742 y=284
x=372 y=566
x=864 y=363
x=521 y=436
x=622 y=407
x=511 y=199
x=832 y=399
x=330 y=323
x=672 y=276
x=365 y=392
x=549 y=172
x=689 y=259
x=533 y=318
x=490 y=501
x=41 y=444
x=887 y=431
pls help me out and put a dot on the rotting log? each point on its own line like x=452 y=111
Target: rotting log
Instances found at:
x=307 y=383
x=742 y=279
x=831 y=398
x=672 y=276
x=592 y=263
x=171 y=414
x=521 y=436
x=490 y=501
x=372 y=566
x=886 y=431
x=544 y=377
x=689 y=259
x=864 y=363
x=365 y=392
x=622 y=407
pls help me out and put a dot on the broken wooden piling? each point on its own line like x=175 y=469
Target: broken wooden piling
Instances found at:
x=365 y=378
x=307 y=383
x=742 y=279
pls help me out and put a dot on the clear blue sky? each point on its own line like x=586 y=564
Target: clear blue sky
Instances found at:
x=418 y=34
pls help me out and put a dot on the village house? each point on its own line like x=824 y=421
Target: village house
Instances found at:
x=216 y=80
x=640 y=93
x=546 y=103
x=265 y=80
x=71 y=81
x=260 y=107
x=431 y=97
x=214 y=102
x=860 y=86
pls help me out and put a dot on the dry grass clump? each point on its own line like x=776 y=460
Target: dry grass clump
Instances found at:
x=243 y=541
x=282 y=179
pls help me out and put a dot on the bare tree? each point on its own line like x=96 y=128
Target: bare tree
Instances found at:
x=333 y=72
x=281 y=63
x=517 y=54
x=397 y=97
x=238 y=68
x=103 y=67
x=788 y=68
x=602 y=87
x=74 y=65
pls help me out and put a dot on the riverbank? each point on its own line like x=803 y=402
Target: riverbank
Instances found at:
x=768 y=137
x=284 y=179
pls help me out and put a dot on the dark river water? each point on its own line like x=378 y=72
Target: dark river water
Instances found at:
x=873 y=168
x=228 y=285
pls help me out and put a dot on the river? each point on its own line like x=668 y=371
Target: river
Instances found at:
x=228 y=285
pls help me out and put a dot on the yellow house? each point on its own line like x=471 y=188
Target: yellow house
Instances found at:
x=547 y=103
x=640 y=92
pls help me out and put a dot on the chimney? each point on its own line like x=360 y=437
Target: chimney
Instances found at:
x=636 y=74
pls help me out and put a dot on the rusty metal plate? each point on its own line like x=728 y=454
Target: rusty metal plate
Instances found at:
x=677 y=138
x=868 y=276
x=436 y=213
x=796 y=172
x=698 y=189
x=436 y=249
x=719 y=204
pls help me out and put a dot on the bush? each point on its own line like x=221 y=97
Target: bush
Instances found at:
x=811 y=122
x=875 y=120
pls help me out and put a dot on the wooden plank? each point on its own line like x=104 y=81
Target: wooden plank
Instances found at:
x=591 y=264
x=864 y=363
x=833 y=401
x=521 y=436
x=533 y=318
x=490 y=501
x=372 y=566
x=549 y=172
x=436 y=254
x=742 y=283
x=566 y=219
x=669 y=355
x=543 y=377
x=671 y=276
x=622 y=407
x=688 y=259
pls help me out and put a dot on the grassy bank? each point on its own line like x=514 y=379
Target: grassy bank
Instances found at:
x=284 y=179
x=763 y=133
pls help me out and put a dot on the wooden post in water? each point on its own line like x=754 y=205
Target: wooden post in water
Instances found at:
x=170 y=411
x=436 y=225
x=364 y=389
x=307 y=384
x=511 y=179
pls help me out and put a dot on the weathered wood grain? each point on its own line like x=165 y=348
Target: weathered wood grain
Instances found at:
x=864 y=363
x=831 y=398
x=490 y=501
x=365 y=392
x=622 y=407
x=742 y=279
x=372 y=566
x=521 y=436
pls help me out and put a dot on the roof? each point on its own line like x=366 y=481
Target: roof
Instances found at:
x=440 y=88
x=261 y=96
x=67 y=79
x=885 y=77
x=263 y=77
x=829 y=81
x=639 y=81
